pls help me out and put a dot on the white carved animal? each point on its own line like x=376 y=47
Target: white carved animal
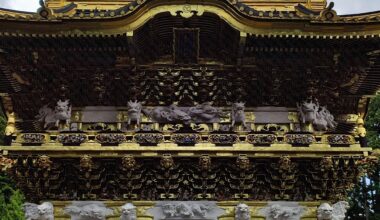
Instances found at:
x=128 y=212
x=169 y=210
x=88 y=212
x=170 y=114
x=134 y=112
x=325 y=212
x=324 y=120
x=335 y=212
x=45 y=211
x=242 y=212
x=307 y=111
x=280 y=212
x=204 y=113
x=199 y=209
x=328 y=117
x=319 y=117
x=340 y=210
x=184 y=210
x=237 y=114
x=48 y=116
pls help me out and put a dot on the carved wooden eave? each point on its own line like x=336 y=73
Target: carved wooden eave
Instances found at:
x=299 y=23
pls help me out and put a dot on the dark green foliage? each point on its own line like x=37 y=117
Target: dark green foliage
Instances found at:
x=365 y=198
x=11 y=200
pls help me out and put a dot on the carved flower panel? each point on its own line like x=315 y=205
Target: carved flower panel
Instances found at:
x=33 y=138
x=339 y=139
x=110 y=138
x=223 y=139
x=261 y=139
x=186 y=139
x=72 y=139
x=149 y=138
x=299 y=139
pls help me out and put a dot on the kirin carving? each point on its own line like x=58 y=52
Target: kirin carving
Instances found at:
x=335 y=212
x=128 y=212
x=50 y=117
x=307 y=111
x=312 y=113
x=237 y=114
x=242 y=212
x=282 y=212
x=134 y=112
x=88 y=211
x=45 y=211
x=204 y=113
x=171 y=114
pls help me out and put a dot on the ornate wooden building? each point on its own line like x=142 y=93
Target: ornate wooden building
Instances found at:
x=187 y=107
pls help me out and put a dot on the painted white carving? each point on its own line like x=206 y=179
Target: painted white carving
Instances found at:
x=186 y=210
x=324 y=120
x=307 y=111
x=84 y=210
x=311 y=112
x=45 y=211
x=283 y=211
x=170 y=114
x=183 y=209
x=50 y=117
x=128 y=212
x=134 y=112
x=242 y=212
x=335 y=212
x=237 y=114
x=204 y=113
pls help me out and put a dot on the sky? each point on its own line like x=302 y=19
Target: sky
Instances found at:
x=341 y=6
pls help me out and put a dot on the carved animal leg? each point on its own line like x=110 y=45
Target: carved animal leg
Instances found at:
x=232 y=123
x=129 y=121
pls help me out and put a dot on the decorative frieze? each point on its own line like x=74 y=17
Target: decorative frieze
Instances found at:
x=186 y=139
x=283 y=211
x=261 y=139
x=88 y=210
x=33 y=138
x=72 y=139
x=110 y=138
x=339 y=139
x=223 y=139
x=184 y=178
x=148 y=138
x=186 y=210
x=299 y=139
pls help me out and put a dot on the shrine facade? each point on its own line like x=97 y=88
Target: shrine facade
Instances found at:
x=172 y=109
